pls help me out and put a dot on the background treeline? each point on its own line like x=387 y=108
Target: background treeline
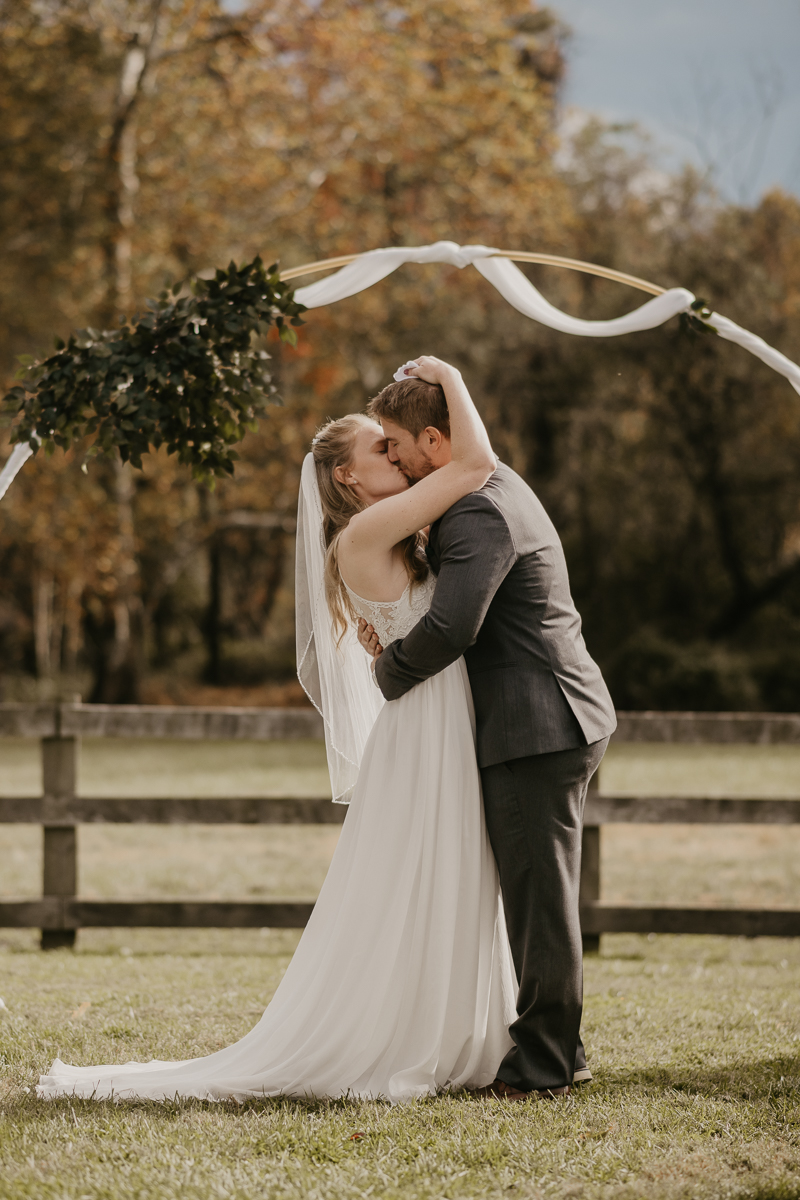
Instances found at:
x=144 y=141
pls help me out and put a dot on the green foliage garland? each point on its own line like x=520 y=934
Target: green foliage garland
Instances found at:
x=692 y=323
x=191 y=375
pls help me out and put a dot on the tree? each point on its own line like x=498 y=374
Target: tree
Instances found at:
x=670 y=464
x=190 y=134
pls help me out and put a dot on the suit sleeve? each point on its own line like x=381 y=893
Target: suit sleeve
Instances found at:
x=476 y=552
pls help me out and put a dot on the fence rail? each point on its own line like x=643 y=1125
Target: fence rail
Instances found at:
x=163 y=721
x=158 y=721
x=59 y=913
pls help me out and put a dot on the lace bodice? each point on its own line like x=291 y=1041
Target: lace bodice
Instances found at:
x=392 y=619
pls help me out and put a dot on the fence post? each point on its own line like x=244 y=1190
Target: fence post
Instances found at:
x=590 y=871
x=59 y=770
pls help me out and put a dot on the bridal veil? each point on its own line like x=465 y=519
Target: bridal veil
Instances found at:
x=336 y=677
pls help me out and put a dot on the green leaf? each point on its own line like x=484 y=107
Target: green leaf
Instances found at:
x=189 y=374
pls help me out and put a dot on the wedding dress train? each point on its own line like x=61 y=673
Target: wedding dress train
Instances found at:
x=402 y=984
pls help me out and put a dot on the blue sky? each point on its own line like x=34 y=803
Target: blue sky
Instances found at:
x=701 y=76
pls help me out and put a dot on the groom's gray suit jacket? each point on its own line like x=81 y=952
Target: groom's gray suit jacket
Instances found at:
x=502 y=600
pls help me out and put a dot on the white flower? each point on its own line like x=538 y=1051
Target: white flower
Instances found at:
x=400 y=373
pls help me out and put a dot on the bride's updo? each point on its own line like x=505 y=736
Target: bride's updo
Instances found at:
x=331 y=448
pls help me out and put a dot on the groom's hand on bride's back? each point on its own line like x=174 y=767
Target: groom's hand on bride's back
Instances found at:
x=369 y=638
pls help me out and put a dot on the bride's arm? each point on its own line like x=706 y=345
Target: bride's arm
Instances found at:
x=383 y=525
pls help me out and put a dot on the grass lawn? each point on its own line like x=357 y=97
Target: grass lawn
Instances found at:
x=695 y=1042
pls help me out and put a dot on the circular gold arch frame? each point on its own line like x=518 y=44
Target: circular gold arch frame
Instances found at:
x=522 y=295
x=726 y=328
x=21 y=452
x=545 y=260
x=516 y=256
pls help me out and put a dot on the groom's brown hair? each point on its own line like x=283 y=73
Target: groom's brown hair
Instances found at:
x=412 y=404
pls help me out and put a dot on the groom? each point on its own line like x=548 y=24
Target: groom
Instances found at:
x=544 y=717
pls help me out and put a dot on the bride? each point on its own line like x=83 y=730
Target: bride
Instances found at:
x=402 y=984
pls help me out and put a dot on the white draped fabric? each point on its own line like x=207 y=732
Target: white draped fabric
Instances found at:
x=519 y=291
x=16 y=460
x=510 y=282
x=335 y=675
x=375 y=265
x=514 y=287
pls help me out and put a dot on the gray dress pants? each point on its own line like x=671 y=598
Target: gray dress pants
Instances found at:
x=534 y=815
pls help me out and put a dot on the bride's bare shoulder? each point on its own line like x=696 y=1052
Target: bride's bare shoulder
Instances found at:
x=373 y=574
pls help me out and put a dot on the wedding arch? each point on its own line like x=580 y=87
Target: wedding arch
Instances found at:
x=188 y=375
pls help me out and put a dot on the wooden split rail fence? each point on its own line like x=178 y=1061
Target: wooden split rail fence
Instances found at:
x=60 y=912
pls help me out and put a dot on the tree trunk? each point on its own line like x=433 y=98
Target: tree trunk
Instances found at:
x=57 y=630
x=116 y=633
x=122 y=182
x=43 y=594
x=72 y=624
x=129 y=186
x=124 y=676
x=122 y=679
x=213 y=622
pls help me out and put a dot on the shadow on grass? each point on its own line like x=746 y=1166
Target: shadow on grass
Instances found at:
x=20 y=1105
x=757 y=1080
x=774 y=1080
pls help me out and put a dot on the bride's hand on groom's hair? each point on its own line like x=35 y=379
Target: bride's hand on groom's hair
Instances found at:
x=369 y=638
x=432 y=370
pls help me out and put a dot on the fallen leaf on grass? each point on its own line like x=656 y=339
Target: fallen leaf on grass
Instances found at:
x=356 y=1137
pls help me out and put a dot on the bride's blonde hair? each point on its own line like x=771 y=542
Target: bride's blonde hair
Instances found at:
x=333 y=447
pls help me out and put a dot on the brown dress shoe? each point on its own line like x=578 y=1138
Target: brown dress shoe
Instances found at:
x=504 y=1091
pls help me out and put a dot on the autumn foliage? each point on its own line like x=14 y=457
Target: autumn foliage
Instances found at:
x=145 y=142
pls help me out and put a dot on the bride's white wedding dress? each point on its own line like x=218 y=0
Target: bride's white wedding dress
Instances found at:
x=402 y=984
